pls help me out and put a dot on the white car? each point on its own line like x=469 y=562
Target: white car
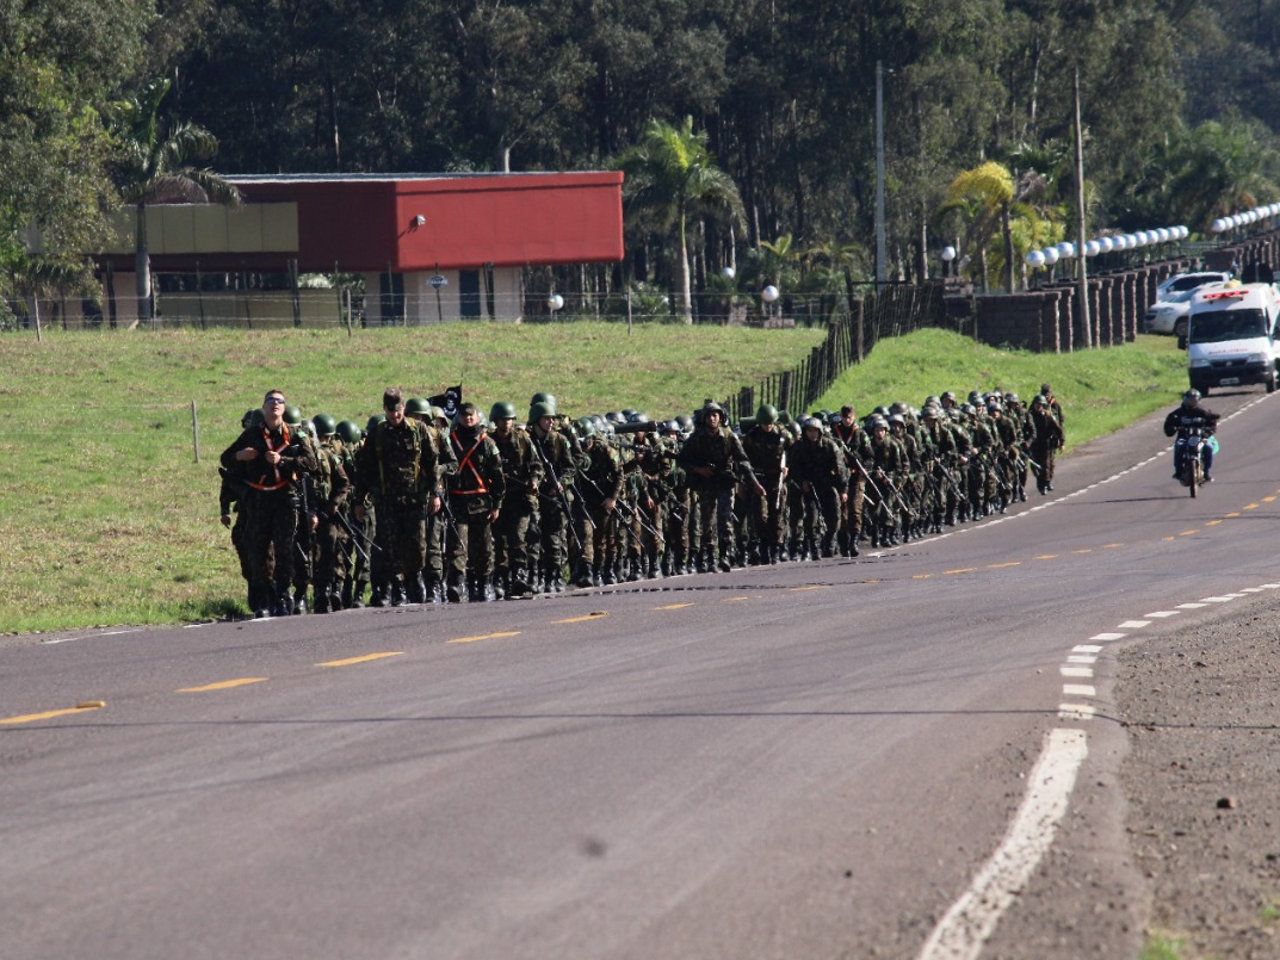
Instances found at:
x=1170 y=314
x=1173 y=301
x=1189 y=281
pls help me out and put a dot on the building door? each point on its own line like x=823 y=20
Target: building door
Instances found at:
x=469 y=294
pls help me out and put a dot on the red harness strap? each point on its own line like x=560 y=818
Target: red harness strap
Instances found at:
x=481 y=486
x=280 y=483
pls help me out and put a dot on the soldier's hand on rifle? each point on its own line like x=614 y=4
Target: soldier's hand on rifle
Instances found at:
x=493 y=515
x=248 y=453
x=315 y=522
x=609 y=504
x=226 y=519
x=759 y=488
x=434 y=504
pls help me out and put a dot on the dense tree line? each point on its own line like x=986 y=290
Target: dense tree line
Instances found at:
x=1179 y=97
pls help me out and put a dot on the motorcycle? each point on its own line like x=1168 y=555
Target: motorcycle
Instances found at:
x=1193 y=443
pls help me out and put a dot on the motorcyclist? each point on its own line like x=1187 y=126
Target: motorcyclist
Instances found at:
x=1188 y=416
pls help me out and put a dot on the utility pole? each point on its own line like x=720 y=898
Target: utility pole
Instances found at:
x=1086 y=326
x=880 y=252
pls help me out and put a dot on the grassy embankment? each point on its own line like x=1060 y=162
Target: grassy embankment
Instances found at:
x=106 y=518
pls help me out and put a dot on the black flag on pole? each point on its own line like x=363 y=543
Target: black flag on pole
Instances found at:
x=449 y=401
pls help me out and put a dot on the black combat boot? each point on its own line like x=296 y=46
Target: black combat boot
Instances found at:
x=453 y=592
x=397 y=593
x=416 y=589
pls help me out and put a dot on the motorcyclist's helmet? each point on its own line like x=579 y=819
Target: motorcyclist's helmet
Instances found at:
x=1191 y=398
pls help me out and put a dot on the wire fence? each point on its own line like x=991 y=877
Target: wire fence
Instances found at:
x=891 y=312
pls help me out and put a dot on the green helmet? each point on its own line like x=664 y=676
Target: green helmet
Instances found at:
x=542 y=397
x=419 y=406
x=767 y=413
x=502 y=411
x=349 y=431
x=251 y=418
x=292 y=415
x=376 y=419
x=585 y=428
x=325 y=425
x=540 y=409
x=301 y=428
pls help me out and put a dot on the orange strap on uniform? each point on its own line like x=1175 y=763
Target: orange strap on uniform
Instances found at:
x=280 y=482
x=481 y=487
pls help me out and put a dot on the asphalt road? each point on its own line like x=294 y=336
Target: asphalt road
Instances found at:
x=807 y=761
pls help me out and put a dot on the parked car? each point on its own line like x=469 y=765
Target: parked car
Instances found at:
x=1189 y=281
x=1168 y=314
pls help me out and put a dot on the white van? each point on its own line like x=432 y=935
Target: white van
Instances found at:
x=1231 y=335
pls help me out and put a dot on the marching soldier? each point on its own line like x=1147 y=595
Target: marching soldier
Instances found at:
x=271 y=460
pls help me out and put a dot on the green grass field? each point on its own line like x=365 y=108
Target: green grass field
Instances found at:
x=107 y=518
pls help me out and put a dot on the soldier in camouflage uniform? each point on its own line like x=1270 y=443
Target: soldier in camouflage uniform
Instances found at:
x=476 y=491
x=330 y=488
x=269 y=458
x=524 y=476
x=438 y=522
x=355 y=546
x=676 y=557
x=817 y=465
x=308 y=518
x=766 y=447
x=397 y=466
x=886 y=467
x=548 y=552
x=600 y=484
x=714 y=458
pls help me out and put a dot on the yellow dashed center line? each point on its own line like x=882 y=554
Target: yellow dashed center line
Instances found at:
x=486 y=636
x=1188 y=533
x=674 y=606
x=1111 y=546
x=1268 y=499
x=590 y=616
x=350 y=661
x=1230 y=515
x=812 y=586
x=1047 y=556
x=922 y=576
x=50 y=714
x=1212 y=523
x=1001 y=566
x=960 y=570
x=1252 y=506
x=1085 y=550
x=222 y=685
x=734 y=599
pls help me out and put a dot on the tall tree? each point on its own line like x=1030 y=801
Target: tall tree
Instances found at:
x=59 y=62
x=671 y=174
x=155 y=168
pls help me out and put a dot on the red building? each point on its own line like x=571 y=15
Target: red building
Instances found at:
x=431 y=247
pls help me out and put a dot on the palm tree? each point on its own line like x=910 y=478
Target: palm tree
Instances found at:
x=155 y=169
x=671 y=174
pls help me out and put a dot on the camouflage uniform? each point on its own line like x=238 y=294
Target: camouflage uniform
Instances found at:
x=271 y=509
x=476 y=492
x=524 y=475
x=714 y=458
x=767 y=450
x=398 y=467
x=818 y=466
